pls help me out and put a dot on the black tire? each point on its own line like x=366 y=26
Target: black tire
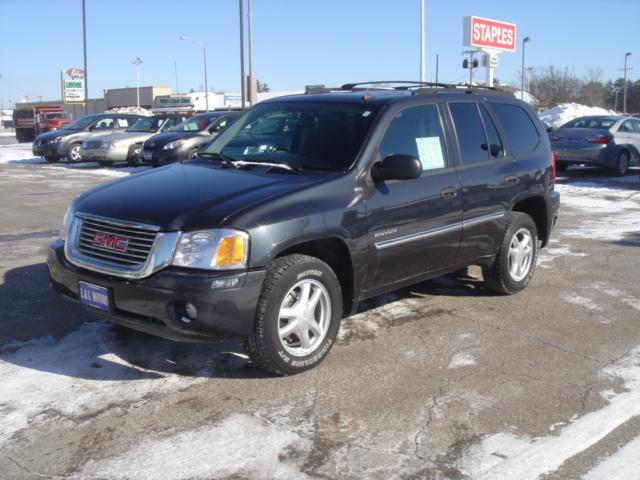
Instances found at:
x=72 y=156
x=622 y=163
x=264 y=346
x=498 y=276
x=105 y=163
x=51 y=159
x=562 y=167
x=133 y=155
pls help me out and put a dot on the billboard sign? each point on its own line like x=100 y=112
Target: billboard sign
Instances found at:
x=72 y=84
x=489 y=34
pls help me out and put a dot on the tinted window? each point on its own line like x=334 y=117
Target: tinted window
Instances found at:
x=496 y=149
x=591 y=122
x=522 y=135
x=629 y=126
x=471 y=137
x=104 y=123
x=416 y=131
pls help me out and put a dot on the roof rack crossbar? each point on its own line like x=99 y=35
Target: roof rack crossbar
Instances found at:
x=404 y=84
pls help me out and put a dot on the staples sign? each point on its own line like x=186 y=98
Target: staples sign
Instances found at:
x=490 y=34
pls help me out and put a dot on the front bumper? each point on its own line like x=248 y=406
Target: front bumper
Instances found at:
x=150 y=304
x=104 y=154
x=161 y=156
x=46 y=150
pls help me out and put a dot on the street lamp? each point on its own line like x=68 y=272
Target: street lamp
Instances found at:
x=529 y=71
x=624 y=94
x=524 y=42
x=204 y=58
x=137 y=61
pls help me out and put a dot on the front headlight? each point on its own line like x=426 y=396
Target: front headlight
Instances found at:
x=212 y=250
x=66 y=222
x=111 y=144
x=56 y=140
x=174 y=144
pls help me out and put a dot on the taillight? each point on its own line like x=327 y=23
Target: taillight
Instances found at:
x=600 y=139
x=553 y=169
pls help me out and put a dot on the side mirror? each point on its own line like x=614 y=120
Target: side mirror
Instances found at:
x=397 y=167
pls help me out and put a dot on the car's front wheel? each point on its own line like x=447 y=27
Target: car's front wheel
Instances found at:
x=73 y=153
x=515 y=262
x=298 y=316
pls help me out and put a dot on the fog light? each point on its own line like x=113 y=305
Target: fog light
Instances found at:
x=191 y=310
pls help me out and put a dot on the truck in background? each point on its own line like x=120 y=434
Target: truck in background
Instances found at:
x=29 y=122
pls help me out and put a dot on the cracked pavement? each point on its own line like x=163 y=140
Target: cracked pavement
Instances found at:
x=442 y=380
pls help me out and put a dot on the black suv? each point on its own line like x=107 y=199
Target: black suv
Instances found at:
x=309 y=204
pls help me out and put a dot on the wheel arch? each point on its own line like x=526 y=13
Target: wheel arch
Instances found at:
x=536 y=207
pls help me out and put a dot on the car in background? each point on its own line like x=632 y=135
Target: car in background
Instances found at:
x=126 y=146
x=66 y=141
x=608 y=141
x=186 y=139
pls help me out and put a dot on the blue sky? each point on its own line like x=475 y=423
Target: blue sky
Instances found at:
x=296 y=42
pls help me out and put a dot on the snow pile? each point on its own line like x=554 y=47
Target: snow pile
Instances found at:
x=132 y=110
x=565 y=112
x=525 y=97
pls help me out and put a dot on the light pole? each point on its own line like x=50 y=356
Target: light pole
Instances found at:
x=251 y=83
x=529 y=70
x=624 y=92
x=524 y=42
x=84 y=46
x=175 y=70
x=204 y=58
x=615 y=103
x=137 y=61
x=242 y=82
x=422 y=62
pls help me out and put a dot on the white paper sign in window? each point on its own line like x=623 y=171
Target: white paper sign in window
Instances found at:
x=430 y=152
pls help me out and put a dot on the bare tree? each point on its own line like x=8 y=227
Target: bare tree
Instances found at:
x=593 y=91
x=552 y=86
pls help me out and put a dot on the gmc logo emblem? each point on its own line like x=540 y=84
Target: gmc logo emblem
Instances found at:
x=112 y=242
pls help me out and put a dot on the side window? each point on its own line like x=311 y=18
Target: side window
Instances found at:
x=627 y=127
x=636 y=126
x=104 y=123
x=496 y=149
x=416 y=131
x=470 y=132
x=522 y=135
x=122 y=122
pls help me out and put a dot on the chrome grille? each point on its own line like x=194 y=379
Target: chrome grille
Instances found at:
x=133 y=253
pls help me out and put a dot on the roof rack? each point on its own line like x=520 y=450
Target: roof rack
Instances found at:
x=415 y=87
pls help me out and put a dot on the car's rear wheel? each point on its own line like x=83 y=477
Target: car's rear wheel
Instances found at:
x=515 y=262
x=133 y=156
x=73 y=153
x=298 y=316
x=622 y=163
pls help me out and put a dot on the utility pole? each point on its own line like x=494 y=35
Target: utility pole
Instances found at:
x=437 y=67
x=137 y=61
x=84 y=46
x=624 y=92
x=175 y=70
x=524 y=42
x=242 y=82
x=204 y=60
x=422 y=46
x=251 y=82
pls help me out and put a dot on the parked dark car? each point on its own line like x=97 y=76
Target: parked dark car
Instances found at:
x=66 y=142
x=608 y=141
x=185 y=140
x=274 y=234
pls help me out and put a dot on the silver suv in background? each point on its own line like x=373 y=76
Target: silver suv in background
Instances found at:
x=608 y=141
x=126 y=146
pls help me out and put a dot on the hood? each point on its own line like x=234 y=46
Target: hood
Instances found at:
x=191 y=196
x=127 y=136
x=163 y=138
x=55 y=134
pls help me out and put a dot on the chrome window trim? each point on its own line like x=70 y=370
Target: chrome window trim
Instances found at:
x=160 y=255
x=393 y=242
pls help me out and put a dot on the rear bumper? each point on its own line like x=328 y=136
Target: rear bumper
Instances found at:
x=151 y=304
x=588 y=156
x=553 y=214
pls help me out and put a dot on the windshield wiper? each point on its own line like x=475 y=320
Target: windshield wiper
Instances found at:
x=224 y=159
x=284 y=166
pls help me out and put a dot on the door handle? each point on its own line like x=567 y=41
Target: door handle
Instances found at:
x=510 y=179
x=449 y=192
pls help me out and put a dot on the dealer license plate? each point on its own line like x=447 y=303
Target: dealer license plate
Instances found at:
x=94 y=296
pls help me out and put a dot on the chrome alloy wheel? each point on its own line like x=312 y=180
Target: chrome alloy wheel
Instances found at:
x=520 y=254
x=304 y=317
x=74 y=153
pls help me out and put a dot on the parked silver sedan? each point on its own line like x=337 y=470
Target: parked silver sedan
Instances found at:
x=606 y=140
x=125 y=146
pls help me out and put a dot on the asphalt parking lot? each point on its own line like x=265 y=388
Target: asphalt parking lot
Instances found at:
x=439 y=381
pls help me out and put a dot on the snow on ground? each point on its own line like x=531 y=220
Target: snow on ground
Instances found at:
x=613 y=214
x=242 y=446
x=87 y=371
x=504 y=456
x=564 y=112
x=624 y=464
x=7 y=133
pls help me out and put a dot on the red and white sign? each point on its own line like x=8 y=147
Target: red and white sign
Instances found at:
x=489 y=34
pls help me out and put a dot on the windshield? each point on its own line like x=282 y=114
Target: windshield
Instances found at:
x=194 y=124
x=147 y=124
x=50 y=116
x=316 y=136
x=591 y=122
x=82 y=122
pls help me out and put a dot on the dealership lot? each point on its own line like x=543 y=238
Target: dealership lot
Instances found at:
x=441 y=380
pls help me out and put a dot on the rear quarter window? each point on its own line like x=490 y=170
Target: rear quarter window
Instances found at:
x=521 y=134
